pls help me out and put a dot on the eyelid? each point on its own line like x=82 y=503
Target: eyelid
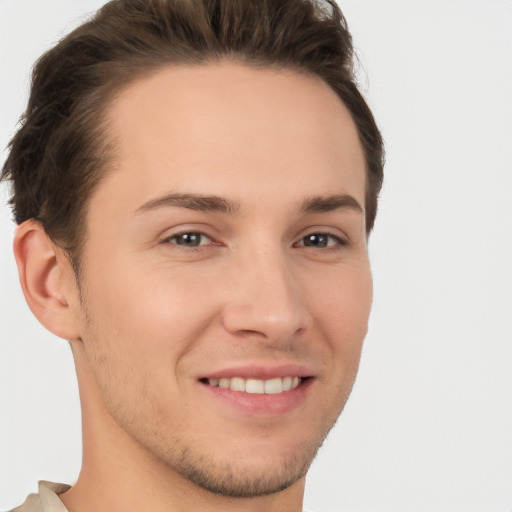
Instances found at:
x=169 y=238
x=330 y=231
x=339 y=240
x=335 y=234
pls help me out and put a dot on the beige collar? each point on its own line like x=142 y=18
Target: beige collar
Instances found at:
x=48 y=494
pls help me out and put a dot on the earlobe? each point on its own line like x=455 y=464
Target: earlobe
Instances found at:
x=43 y=273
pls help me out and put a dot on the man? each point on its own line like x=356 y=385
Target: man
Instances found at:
x=195 y=182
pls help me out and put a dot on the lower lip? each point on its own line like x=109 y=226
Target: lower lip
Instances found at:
x=262 y=404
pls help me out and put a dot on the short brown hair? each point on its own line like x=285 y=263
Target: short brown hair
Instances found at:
x=60 y=153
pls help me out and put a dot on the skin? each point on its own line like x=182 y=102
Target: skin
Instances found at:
x=154 y=316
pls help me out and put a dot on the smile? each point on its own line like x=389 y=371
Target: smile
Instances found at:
x=256 y=386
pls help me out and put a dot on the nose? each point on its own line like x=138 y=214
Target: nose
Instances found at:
x=265 y=300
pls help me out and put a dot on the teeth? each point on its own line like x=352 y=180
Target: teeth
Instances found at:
x=256 y=386
x=273 y=386
x=237 y=384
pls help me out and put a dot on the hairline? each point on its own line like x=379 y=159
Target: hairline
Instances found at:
x=105 y=97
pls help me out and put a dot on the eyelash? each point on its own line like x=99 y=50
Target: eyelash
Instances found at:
x=188 y=234
x=338 y=241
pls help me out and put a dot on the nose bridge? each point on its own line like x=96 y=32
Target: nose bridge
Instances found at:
x=268 y=301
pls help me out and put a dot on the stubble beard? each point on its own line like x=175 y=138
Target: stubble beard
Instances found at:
x=234 y=476
x=229 y=475
x=237 y=479
x=230 y=478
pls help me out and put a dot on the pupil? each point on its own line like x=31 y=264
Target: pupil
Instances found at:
x=316 y=241
x=190 y=239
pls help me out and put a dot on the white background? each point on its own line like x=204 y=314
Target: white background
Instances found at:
x=429 y=424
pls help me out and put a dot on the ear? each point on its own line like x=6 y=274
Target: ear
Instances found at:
x=47 y=280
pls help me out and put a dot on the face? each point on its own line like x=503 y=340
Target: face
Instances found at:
x=226 y=283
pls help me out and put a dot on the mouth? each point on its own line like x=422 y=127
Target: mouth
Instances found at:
x=261 y=390
x=274 y=386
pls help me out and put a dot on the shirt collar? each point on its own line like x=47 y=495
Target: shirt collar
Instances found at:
x=48 y=494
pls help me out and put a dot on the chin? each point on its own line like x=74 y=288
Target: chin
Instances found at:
x=244 y=478
x=240 y=471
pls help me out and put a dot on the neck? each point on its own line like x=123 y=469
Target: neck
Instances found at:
x=118 y=473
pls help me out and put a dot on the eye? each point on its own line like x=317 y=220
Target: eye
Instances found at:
x=191 y=239
x=320 y=241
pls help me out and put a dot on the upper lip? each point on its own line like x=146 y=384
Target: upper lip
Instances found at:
x=261 y=371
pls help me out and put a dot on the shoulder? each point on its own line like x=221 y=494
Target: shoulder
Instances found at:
x=31 y=504
x=46 y=500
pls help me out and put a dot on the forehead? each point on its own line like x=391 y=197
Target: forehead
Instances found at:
x=230 y=129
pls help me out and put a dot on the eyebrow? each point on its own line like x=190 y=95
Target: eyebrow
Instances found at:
x=197 y=202
x=192 y=202
x=319 y=204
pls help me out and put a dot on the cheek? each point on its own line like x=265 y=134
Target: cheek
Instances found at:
x=151 y=318
x=341 y=304
x=136 y=332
